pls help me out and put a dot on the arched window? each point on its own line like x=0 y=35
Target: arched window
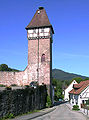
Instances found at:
x=43 y=58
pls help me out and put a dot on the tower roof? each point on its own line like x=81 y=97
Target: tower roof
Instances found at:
x=40 y=19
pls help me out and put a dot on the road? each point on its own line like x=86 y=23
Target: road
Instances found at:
x=62 y=112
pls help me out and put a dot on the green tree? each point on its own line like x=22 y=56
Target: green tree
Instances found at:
x=78 y=79
x=49 y=103
x=3 y=67
x=58 y=93
x=87 y=78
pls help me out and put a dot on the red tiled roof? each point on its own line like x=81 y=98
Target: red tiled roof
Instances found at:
x=80 y=87
x=40 y=19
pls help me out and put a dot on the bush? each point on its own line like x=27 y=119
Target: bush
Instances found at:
x=9 y=115
x=1 y=85
x=14 y=85
x=75 y=107
x=49 y=103
x=8 y=88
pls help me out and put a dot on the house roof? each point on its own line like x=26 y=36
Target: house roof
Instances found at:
x=78 y=88
x=40 y=19
x=79 y=85
x=70 y=84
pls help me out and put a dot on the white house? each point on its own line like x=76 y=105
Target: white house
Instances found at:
x=79 y=95
x=68 y=89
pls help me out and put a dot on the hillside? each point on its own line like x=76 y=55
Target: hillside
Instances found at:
x=61 y=75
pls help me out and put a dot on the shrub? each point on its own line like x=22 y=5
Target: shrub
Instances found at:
x=48 y=103
x=26 y=86
x=8 y=88
x=1 y=85
x=8 y=116
x=75 y=107
x=14 y=85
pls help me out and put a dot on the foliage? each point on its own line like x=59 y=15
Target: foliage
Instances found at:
x=26 y=86
x=4 y=67
x=87 y=102
x=14 y=85
x=78 y=79
x=8 y=88
x=48 y=103
x=75 y=107
x=2 y=85
x=9 y=115
x=59 y=85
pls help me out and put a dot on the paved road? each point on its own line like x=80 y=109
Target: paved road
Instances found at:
x=62 y=112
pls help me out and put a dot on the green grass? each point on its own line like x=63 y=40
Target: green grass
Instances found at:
x=10 y=116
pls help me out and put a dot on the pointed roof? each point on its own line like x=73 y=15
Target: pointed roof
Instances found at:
x=40 y=19
x=80 y=87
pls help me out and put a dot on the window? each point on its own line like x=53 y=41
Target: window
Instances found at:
x=34 y=31
x=42 y=30
x=43 y=58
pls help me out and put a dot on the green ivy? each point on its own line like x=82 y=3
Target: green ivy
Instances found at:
x=48 y=103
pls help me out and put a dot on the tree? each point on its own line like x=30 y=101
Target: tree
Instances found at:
x=58 y=93
x=3 y=67
x=87 y=78
x=49 y=103
x=78 y=79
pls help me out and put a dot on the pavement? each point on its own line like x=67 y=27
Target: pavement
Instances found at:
x=84 y=112
x=62 y=112
x=35 y=114
x=54 y=113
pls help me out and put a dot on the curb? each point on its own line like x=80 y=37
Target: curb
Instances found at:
x=46 y=112
x=84 y=114
x=34 y=115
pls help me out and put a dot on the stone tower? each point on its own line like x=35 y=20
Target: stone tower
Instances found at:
x=39 y=34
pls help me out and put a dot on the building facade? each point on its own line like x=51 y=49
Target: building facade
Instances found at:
x=68 y=89
x=79 y=95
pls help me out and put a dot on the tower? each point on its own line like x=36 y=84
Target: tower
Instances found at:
x=39 y=35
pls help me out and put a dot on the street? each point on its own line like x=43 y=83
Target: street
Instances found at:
x=62 y=112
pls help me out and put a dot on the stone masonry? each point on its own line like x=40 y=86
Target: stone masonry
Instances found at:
x=39 y=35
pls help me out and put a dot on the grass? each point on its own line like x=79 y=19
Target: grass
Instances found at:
x=11 y=116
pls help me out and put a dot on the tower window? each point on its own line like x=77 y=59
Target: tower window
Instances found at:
x=42 y=30
x=43 y=58
x=34 y=31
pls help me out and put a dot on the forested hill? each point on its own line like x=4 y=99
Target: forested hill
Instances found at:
x=61 y=75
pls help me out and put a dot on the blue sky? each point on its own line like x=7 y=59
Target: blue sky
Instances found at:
x=70 y=20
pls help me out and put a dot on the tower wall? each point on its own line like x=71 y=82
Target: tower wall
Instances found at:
x=44 y=67
x=38 y=70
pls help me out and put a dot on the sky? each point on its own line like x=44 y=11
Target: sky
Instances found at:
x=70 y=21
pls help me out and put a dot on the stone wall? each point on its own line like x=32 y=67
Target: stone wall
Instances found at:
x=22 y=100
x=18 y=78
x=8 y=78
